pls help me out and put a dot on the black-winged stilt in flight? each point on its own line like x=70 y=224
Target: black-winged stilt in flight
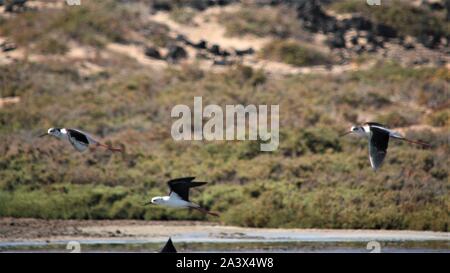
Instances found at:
x=79 y=140
x=378 y=136
x=168 y=247
x=179 y=195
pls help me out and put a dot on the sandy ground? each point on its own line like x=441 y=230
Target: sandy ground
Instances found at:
x=206 y=27
x=34 y=230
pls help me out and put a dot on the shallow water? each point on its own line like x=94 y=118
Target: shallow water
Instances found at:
x=235 y=246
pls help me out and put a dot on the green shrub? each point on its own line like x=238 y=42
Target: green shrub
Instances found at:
x=281 y=22
x=440 y=118
x=293 y=53
x=406 y=18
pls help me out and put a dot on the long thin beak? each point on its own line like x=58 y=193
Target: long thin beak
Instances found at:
x=349 y=132
x=148 y=203
x=43 y=135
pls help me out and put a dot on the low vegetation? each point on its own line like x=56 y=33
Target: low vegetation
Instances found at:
x=401 y=15
x=48 y=31
x=315 y=179
x=280 y=22
x=294 y=53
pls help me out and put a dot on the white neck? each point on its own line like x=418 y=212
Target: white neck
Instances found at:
x=63 y=134
x=366 y=130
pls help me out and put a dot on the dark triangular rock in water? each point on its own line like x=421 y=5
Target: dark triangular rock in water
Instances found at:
x=169 y=247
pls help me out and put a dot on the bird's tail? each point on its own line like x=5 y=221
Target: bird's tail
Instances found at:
x=206 y=211
x=121 y=150
x=418 y=142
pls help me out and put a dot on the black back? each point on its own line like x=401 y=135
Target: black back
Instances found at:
x=78 y=136
x=375 y=124
x=181 y=186
x=378 y=144
x=168 y=247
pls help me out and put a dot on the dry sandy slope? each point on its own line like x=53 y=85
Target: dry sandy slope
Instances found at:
x=206 y=27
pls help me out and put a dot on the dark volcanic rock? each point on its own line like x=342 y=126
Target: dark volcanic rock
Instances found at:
x=408 y=46
x=436 y=6
x=358 y=23
x=153 y=53
x=354 y=40
x=176 y=53
x=200 y=45
x=215 y=49
x=225 y=53
x=385 y=31
x=429 y=41
x=7 y=46
x=161 y=6
x=11 y=5
x=314 y=18
x=248 y=51
x=337 y=40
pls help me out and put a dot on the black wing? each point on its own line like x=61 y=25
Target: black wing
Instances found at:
x=168 y=247
x=78 y=136
x=181 y=186
x=375 y=124
x=378 y=144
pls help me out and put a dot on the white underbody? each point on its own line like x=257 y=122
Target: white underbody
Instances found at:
x=175 y=201
x=79 y=146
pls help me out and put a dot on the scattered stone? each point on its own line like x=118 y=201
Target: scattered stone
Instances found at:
x=8 y=46
x=176 y=53
x=337 y=40
x=200 y=45
x=14 y=5
x=161 y=6
x=215 y=49
x=429 y=41
x=153 y=53
x=247 y=51
x=222 y=61
x=385 y=31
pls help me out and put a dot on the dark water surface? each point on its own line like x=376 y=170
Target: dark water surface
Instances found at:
x=233 y=246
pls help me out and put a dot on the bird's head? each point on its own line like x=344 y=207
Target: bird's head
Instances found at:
x=56 y=132
x=358 y=130
x=155 y=201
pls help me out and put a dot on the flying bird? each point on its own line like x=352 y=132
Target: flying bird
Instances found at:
x=378 y=136
x=179 y=195
x=79 y=140
x=168 y=247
